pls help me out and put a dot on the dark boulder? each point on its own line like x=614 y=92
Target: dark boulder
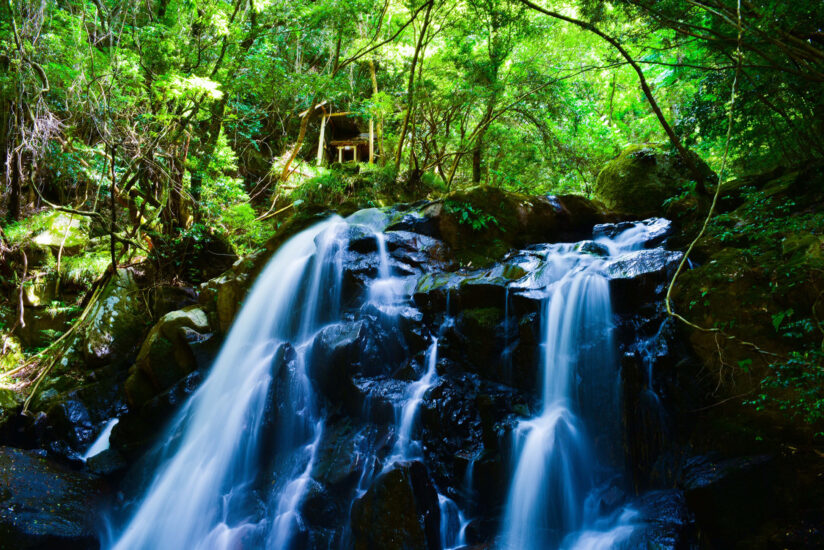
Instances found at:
x=639 y=276
x=666 y=522
x=43 y=504
x=335 y=355
x=730 y=498
x=417 y=250
x=400 y=511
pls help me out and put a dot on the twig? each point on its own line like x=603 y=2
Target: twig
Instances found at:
x=273 y=214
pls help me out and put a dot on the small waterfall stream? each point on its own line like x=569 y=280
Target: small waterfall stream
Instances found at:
x=555 y=477
x=241 y=456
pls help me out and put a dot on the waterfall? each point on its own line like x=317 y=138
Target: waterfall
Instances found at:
x=102 y=442
x=555 y=475
x=242 y=458
x=405 y=444
x=201 y=495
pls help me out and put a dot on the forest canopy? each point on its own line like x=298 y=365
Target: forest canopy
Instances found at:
x=150 y=118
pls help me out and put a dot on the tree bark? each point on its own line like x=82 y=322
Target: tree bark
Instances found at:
x=304 y=123
x=379 y=129
x=410 y=91
x=211 y=133
x=13 y=165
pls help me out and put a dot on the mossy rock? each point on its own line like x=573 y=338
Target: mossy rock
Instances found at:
x=41 y=290
x=166 y=355
x=13 y=356
x=9 y=399
x=63 y=230
x=116 y=322
x=398 y=512
x=644 y=176
x=44 y=325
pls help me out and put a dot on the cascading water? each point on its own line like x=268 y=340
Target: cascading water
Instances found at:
x=555 y=477
x=405 y=444
x=102 y=442
x=246 y=452
x=203 y=492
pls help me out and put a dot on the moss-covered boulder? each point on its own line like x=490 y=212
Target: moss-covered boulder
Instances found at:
x=41 y=290
x=63 y=230
x=224 y=295
x=44 y=325
x=644 y=176
x=116 y=321
x=168 y=354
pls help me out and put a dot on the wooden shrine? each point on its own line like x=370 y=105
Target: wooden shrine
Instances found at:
x=343 y=139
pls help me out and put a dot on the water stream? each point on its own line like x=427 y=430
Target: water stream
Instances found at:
x=234 y=470
x=550 y=503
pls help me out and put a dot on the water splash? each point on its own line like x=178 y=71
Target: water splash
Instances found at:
x=102 y=442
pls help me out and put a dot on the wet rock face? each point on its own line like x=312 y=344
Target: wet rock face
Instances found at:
x=44 y=505
x=399 y=512
x=667 y=521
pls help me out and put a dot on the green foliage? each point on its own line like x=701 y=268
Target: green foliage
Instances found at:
x=84 y=269
x=778 y=229
x=471 y=216
x=23 y=230
x=326 y=190
x=796 y=387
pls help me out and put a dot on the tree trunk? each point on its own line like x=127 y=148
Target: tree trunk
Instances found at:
x=410 y=91
x=301 y=135
x=379 y=134
x=476 y=161
x=208 y=150
x=13 y=165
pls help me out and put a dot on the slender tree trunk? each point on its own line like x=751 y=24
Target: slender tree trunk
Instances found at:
x=13 y=165
x=113 y=219
x=476 y=161
x=410 y=90
x=612 y=98
x=373 y=73
x=304 y=123
x=211 y=134
x=477 y=152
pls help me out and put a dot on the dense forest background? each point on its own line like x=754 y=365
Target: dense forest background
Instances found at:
x=162 y=127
